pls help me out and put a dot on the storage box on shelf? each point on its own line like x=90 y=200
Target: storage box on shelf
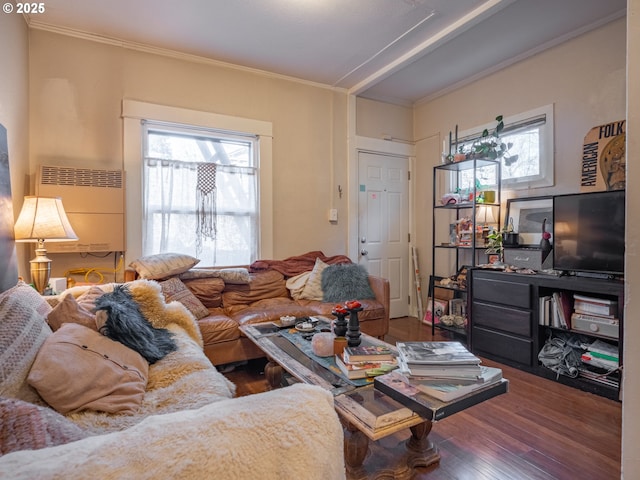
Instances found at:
x=510 y=323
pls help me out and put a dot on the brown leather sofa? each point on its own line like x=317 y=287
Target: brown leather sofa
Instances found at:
x=266 y=298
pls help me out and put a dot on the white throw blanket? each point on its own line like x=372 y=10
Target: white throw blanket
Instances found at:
x=291 y=433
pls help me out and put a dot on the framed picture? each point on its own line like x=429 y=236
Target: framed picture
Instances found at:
x=457 y=306
x=526 y=215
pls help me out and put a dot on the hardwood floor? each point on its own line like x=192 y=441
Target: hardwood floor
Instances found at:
x=539 y=430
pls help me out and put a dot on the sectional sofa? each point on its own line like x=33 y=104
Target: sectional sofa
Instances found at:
x=227 y=298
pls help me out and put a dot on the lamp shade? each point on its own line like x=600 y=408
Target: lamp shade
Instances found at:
x=485 y=215
x=43 y=218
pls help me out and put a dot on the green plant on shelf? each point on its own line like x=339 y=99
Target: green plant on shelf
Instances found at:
x=490 y=146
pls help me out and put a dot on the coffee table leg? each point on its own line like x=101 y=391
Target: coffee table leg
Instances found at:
x=422 y=452
x=356 y=445
x=273 y=374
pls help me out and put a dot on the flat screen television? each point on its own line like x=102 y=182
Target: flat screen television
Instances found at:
x=588 y=232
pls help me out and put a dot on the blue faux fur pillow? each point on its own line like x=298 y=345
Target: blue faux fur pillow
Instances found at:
x=344 y=282
x=126 y=324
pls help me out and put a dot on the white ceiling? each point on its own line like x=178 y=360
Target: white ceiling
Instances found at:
x=400 y=51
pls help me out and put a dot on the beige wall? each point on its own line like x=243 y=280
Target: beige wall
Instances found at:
x=77 y=87
x=631 y=386
x=383 y=120
x=14 y=111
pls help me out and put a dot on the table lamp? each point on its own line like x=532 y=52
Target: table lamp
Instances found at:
x=484 y=217
x=42 y=218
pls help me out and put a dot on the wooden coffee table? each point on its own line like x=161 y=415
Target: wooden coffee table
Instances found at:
x=367 y=414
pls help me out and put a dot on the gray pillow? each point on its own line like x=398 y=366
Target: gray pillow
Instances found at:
x=344 y=282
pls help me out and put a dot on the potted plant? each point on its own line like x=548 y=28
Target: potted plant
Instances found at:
x=490 y=146
x=494 y=243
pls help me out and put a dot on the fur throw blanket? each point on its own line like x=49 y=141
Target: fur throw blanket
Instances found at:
x=266 y=436
x=292 y=266
x=125 y=323
x=148 y=295
x=183 y=379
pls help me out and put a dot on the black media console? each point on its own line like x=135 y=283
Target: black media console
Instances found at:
x=506 y=322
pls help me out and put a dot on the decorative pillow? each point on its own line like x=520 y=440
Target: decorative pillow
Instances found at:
x=341 y=283
x=79 y=369
x=70 y=311
x=235 y=276
x=22 y=333
x=24 y=426
x=313 y=288
x=27 y=295
x=263 y=285
x=174 y=289
x=296 y=285
x=88 y=298
x=126 y=324
x=163 y=265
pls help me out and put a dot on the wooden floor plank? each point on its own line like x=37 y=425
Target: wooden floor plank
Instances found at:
x=539 y=430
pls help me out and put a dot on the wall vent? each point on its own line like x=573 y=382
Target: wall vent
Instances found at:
x=94 y=202
x=80 y=177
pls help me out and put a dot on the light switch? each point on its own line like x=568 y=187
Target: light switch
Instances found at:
x=333 y=215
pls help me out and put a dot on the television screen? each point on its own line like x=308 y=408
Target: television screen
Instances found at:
x=588 y=232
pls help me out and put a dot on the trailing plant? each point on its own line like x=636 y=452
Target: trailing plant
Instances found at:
x=490 y=146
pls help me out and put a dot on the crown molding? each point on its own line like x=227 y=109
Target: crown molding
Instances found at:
x=166 y=52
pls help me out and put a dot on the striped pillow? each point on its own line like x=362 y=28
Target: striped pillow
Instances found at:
x=22 y=332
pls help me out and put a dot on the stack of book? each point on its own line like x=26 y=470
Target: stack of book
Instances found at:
x=555 y=310
x=366 y=361
x=602 y=355
x=444 y=370
x=595 y=315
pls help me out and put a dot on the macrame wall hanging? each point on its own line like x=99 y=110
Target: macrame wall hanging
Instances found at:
x=206 y=204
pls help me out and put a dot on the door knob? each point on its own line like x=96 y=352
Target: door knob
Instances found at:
x=363 y=252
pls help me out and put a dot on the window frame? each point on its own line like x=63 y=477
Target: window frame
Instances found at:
x=134 y=112
x=513 y=123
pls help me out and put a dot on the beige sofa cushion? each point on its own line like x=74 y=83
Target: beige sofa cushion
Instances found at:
x=78 y=368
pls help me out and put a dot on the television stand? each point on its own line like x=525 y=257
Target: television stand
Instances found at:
x=510 y=321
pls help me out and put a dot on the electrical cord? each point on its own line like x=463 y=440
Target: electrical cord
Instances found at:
x=96 y=271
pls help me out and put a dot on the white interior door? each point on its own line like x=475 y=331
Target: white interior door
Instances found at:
x=383 y=223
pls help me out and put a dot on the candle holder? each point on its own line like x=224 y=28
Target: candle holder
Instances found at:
x=340 y=324
x=353 y=329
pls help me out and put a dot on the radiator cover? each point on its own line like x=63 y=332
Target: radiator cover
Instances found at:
x=94 y=202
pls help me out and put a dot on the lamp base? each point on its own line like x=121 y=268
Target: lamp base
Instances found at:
x=40 y=270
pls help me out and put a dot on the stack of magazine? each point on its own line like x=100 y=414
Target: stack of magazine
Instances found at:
x=444 y=370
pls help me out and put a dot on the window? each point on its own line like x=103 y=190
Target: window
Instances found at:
x=200 y=193
x=531 y=137
x=137 y=116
